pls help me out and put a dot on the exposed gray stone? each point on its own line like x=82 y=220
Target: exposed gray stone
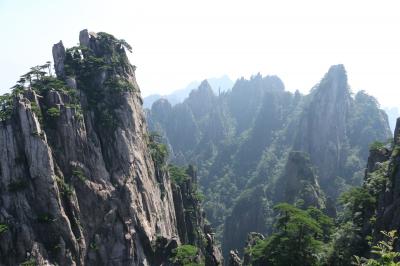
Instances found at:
x=84 y=38
x=59 y=57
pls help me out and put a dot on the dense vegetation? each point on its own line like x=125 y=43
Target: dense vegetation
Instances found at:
x=256 y=147
x=299 y=238
x=242 y=141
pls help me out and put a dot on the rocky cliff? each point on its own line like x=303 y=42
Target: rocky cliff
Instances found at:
x=192 y=226
x=81 y=181
x=335 y=126
x=243 y=141
x=299 y=182
x=388 y=197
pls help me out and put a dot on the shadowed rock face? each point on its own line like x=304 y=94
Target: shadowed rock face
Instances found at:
x=299 y=182
x=334 y=125
x=388 y=204
x=243 y=140
x=77 y=183
x=59 y=57
x=323 y=128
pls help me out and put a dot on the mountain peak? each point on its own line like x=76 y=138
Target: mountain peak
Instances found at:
x=338 y=75
x=204 y=91
x=334 y=83
x=337 y=69
x=204 y=85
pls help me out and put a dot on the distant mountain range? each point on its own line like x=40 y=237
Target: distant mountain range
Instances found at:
x=220 y=84
x=258 y=144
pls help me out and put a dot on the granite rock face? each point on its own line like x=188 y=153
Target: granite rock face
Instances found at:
x=334 y=124
x=191 y=222
x=388 y=203
x=59 y=57
x=243 y=141
x=234 y=259
x=300 y=182
x=78 y=181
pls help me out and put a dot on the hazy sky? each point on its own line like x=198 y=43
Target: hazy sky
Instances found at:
x=178 y=41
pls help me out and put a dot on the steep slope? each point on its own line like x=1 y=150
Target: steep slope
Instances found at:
x=299 y=182
x=323 y=126
x=81 y=181
x=254 y=128
x=335 y=127
x=387 y=194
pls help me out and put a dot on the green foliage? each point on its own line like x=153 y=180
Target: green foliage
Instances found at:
x=298 y=240
x=199 y=196
x=5 y=106
x=3 y=228
x=106 y=119
x=376 y=145
x=93 y=246
x=53 y=112
x=396 y=151
x=45 y=218
x=30 y=262
x=178 y=174
x=65 y=188
x=37 y=111
x=119 y=84
x=358 y=209
x=186 y=255
x=108 y=58
x=158 y=150
x=385 y=252
x=79 y=174
x=357 y=201
x=347 y=240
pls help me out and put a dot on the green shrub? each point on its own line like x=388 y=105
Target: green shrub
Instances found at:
x=377 y=145
x=396 y=151
x=65 y=188
x=385 y=252
x=158 y=150
x=30 y=262
x=119 y=85
x=299 y=238
x=53 y=112
x=79 y=174
x=3 y=228
x=37 y=111
x=93 y=246
x=178 y=174
x=45 y=218
x=6 y=104
x=186 y=255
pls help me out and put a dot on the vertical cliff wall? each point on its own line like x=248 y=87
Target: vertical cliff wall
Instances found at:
x=78 y=184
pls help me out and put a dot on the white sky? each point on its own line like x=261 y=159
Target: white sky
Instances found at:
x=178 y=41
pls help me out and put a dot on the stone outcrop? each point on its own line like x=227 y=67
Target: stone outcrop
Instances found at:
x=250 y=214
x=241 y=140
x=388 y=204
x=59 y=58
x=251 y=241
x=333 y=122
x=234 y=259
x=79 y=183
x=300 y=182
x=191 y=223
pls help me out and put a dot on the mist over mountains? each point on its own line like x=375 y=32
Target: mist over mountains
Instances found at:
x=242 y=141
x=242 y=173
x=218 y=85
